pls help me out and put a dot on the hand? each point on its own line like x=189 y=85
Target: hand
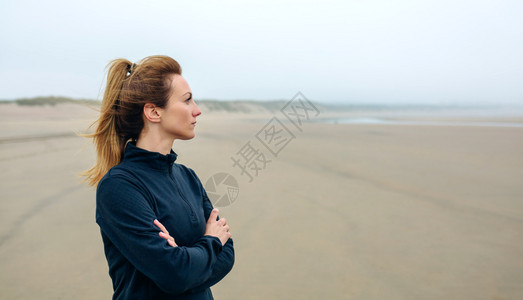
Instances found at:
x=217 y=228
x=165 y=234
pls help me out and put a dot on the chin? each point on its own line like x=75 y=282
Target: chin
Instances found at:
x=188 y=137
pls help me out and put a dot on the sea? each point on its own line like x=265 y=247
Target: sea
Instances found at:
x=384 y=121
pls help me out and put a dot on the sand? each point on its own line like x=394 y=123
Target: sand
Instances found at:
x=344 y=211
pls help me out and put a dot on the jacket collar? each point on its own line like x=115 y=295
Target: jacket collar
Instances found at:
x=148 y=159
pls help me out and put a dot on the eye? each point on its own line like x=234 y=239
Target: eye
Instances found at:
x=188 y=100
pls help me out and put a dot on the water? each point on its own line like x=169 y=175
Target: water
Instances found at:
x=380 y=121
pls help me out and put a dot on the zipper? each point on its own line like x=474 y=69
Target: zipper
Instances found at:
x=193 y=216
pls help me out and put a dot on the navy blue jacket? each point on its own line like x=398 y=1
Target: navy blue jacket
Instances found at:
x=142 y=265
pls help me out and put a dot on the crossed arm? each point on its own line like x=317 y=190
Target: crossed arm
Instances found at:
x=126 y=219
x=217 y=228
x=225 y=259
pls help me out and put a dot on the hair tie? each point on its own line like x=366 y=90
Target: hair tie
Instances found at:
x=130 y=68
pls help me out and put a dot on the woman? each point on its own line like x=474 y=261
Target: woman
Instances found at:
x=162 y=238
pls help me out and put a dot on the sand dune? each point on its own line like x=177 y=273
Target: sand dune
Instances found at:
x=343 y=212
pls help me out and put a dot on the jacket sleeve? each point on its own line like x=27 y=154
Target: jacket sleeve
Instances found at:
x=126 y=218
x=225 y=259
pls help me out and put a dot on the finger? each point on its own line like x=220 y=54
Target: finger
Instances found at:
x=227 y=228
x=213 y=215
x=223 y=221
x=169 y=239
x=160 y=225
x=165 y=236
x=172 y=243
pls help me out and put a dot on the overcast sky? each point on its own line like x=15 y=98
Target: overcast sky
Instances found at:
x=379 y=51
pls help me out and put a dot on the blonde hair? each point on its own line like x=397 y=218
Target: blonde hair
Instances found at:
x=129 y=87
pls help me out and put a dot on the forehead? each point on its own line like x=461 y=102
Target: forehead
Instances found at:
x=179 y=85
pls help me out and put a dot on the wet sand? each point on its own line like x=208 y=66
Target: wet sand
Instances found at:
x=345 y=211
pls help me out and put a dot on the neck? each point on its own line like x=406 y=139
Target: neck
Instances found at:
x=155 y=143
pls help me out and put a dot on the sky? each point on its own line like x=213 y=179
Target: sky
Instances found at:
x=364 y=51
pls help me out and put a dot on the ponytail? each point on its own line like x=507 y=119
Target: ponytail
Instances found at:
x=129 y=87
x=109 y=145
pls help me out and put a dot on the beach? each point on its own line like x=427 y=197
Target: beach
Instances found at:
x=343 y=211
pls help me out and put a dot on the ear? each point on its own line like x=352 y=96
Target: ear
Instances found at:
x=151 y=112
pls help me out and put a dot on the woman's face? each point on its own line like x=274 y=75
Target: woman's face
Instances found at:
x=178 y=117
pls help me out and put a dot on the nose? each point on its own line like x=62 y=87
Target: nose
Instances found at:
x=196 y=112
